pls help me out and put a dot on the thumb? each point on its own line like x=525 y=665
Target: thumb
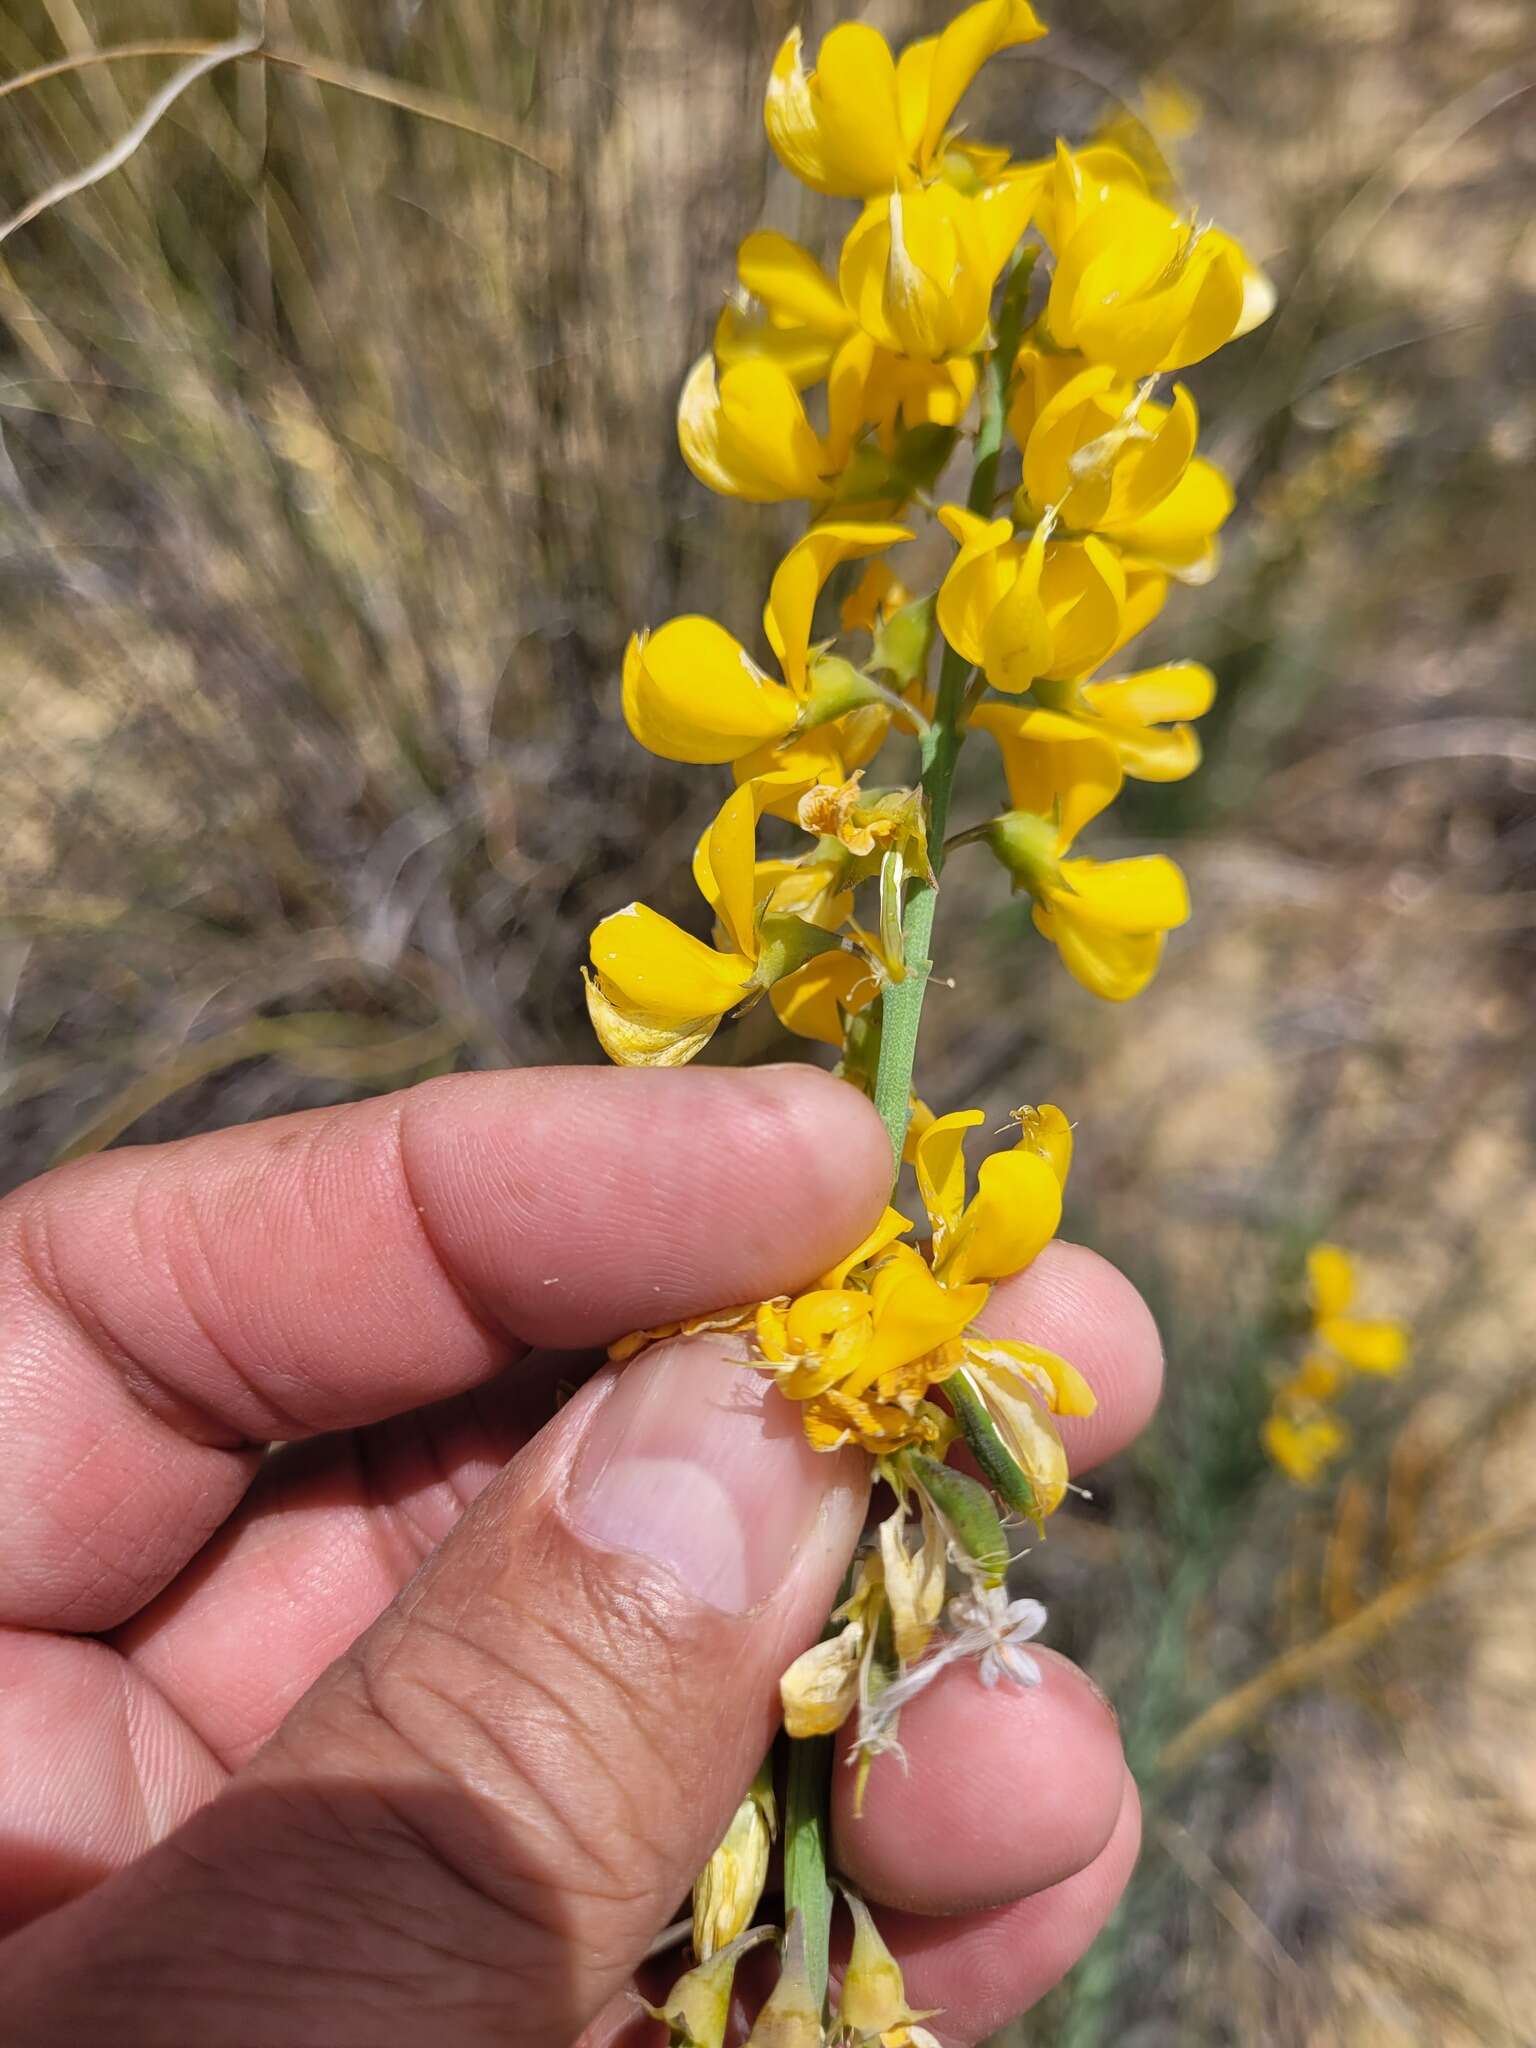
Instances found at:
x=493 y=1802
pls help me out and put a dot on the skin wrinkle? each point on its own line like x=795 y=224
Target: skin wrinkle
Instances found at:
x=492 y=1328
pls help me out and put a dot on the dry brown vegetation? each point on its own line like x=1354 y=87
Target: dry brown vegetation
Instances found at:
x=335 y=465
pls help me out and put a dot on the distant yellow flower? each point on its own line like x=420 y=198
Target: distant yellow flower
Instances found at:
x=657 y=993
x=1378 y=1345
x=861 y=124
x=693 y=693
x=1142 y=718
x=1136 y=285
x=1025 y=609
x=1305 y=1449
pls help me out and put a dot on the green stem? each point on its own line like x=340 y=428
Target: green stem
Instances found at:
x=901 y=1007
x=805 y=1851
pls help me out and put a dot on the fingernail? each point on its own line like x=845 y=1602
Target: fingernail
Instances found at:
x=697 y=1464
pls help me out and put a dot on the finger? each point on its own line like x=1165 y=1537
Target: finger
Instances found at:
x=494 y=1800
x=167 y=1309
x=983 y=1970
x=1076 y=1304
x=332 y=1530
x=1005 y=1791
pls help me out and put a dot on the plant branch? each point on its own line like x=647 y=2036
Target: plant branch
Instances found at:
x=805 y=1851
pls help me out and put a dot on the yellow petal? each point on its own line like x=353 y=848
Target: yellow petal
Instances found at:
x=1137 y=287
x=725 y=868
x=812 y=1001
x=693 y=693
x=1176 y=534
x=1375 y=1346
x=1019 y=645
x=1182 y=689
x=1330 y=1281
x=632 y=1039
x=837 y=128
x=913 y=1316
x=1082 y=586
x=792 y=285
x=746 y=433
x=977 y=578
x=1113 y=965
x=798 y=582
x=940 y=1164
x=803 y=355
x=1012 y=1218
x=918 y=269
x=655 y=969
x=1151 y=471
x=974 y=35
x=1061 y=1386
x=1055 y=766
x=891 y=1226
x=1146 y=894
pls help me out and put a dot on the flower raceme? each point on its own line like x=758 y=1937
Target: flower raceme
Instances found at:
x=1303 y=1435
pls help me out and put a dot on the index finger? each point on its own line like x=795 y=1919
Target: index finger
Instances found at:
x=170 y=1310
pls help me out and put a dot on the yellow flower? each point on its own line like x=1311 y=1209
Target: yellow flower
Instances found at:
x=860 y=124
x=659 y=993
x=878 y=593
x=1100 y=454
x=693 y=693
x=790 y=312
x=919 y=267
x=1370 y=1345
x=873 y=2006
x=1011 y=1217
x=1021 y=610
x=745 y=433
x=1304 y=1450
x=1107 y=919
x=1140 y=717
x=1136 y=285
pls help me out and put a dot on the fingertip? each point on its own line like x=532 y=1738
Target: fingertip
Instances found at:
x=1007 y=1790
x=833 y=1136
x=1076 y=1303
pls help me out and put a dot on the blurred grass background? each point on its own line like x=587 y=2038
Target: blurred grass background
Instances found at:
x=336 y=464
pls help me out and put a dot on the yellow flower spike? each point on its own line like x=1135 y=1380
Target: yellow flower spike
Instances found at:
x=745 y=433
x=1304 y=1450
x=873 y=2005
x=815 y=1001
x=838 y=127
x=693 y=693
x=1319 y=1378
x=798 y=582
x=1330 y=1281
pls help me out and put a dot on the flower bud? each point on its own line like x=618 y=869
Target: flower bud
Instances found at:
x=874 y=2001
x=792 y=2016
x=727 y=1890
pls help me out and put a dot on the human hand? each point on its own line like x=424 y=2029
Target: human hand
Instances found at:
x=419 y=1727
